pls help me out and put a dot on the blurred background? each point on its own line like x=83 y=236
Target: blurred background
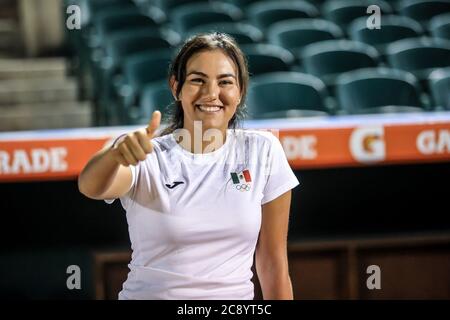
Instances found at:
x=359 y=91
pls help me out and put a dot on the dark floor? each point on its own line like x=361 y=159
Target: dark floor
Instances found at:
x=47 y=226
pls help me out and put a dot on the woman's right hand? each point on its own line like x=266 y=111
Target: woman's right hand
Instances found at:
x=134 y=147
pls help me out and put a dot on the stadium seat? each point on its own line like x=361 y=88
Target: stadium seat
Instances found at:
x=131 y=41
x=87 y=38
x=440 y=88
x=328 y=59
x=378 y=90
x=91 y=8
x=440 y=26
x=146 y=67
x=418 y=55
x=117 y=48
x=423 y=10
x=168 y=5
x=243 y=33
x=343 y=12
x=104 y=26
x=242 y=3
x=295 y=34
x=154 y=96
x=317 y=3
x=138 y=70
x=185 y=17
x=393 y=28
x=264 y=58
x=265 y=13
x=110 y=22
x=286 y=95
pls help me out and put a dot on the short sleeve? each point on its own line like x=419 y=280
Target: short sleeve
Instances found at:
x=280 y=177
x=133 y=183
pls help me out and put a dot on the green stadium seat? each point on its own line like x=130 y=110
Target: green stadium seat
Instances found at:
x=423 y=10
x=91 y=8
x=297 y=95
x=117 y=48
x=440 y=88
x=138 y=70
x=243 y=3
x=295 y=34
x=328 y=59
x=154 y=96
x=378 y=90
x=263 y=58
x=243 y=33
x=317 y=3
x=393 y=28
x=104 y=26
x=84 y=39
x=127 y=42
x=168 y=5
x=108 y=24
x=343 y=12
x=112 y=20
x=188 y=16
x=440 y=26
x=152 y=10
x=265 y=13
x=419 y=55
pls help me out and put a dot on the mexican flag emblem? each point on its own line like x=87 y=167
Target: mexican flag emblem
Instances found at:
x=242 y=180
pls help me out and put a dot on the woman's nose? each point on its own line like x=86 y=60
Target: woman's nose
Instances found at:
x=211 y=90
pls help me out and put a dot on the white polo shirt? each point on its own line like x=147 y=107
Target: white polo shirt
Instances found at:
x=194 y=219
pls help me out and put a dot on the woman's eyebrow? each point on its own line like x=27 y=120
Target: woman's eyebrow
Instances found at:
x=223 y=75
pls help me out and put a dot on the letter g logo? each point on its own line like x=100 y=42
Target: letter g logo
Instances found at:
x=367 y=144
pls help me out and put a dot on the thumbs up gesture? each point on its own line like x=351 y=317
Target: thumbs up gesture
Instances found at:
x=134 y=147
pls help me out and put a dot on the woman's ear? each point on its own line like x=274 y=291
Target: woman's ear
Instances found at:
x=173 y=87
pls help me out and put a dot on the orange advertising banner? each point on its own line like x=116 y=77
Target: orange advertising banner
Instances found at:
x=366 y=145
x=45 y=160
x=352 y=141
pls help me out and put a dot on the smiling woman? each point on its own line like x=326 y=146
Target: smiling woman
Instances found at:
x=210 y=93
x=197 y=216
x=208 y=77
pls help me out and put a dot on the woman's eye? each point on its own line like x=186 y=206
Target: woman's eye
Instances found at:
x=199 y=80
x=226 y=82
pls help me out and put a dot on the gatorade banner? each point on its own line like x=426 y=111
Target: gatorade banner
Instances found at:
x=308 y=143
x=366 y=145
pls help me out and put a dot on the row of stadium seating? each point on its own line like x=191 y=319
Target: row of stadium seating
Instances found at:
x=265 y=12
x=318 y=66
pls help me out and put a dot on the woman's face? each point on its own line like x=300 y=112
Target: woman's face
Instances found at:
x=211 y=91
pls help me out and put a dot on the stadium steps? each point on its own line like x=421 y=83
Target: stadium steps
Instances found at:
x=37 y=116
x=39 y=90
x=9 y=33
x=16 y=69
x=36 y=94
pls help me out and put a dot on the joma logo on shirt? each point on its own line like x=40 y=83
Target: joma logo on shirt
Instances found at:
x=176 y=183
x=242 y=181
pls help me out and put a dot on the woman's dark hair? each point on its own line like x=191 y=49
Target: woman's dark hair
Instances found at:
x=202 y=42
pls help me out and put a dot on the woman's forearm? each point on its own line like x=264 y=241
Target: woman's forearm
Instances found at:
x=277 y=288
x=98 y=174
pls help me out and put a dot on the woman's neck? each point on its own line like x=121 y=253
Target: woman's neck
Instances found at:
x=204 y=140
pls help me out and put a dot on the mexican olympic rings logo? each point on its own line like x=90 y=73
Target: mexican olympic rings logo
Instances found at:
x=243 y=187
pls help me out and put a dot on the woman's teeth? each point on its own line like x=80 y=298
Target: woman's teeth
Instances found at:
x=209 y=108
